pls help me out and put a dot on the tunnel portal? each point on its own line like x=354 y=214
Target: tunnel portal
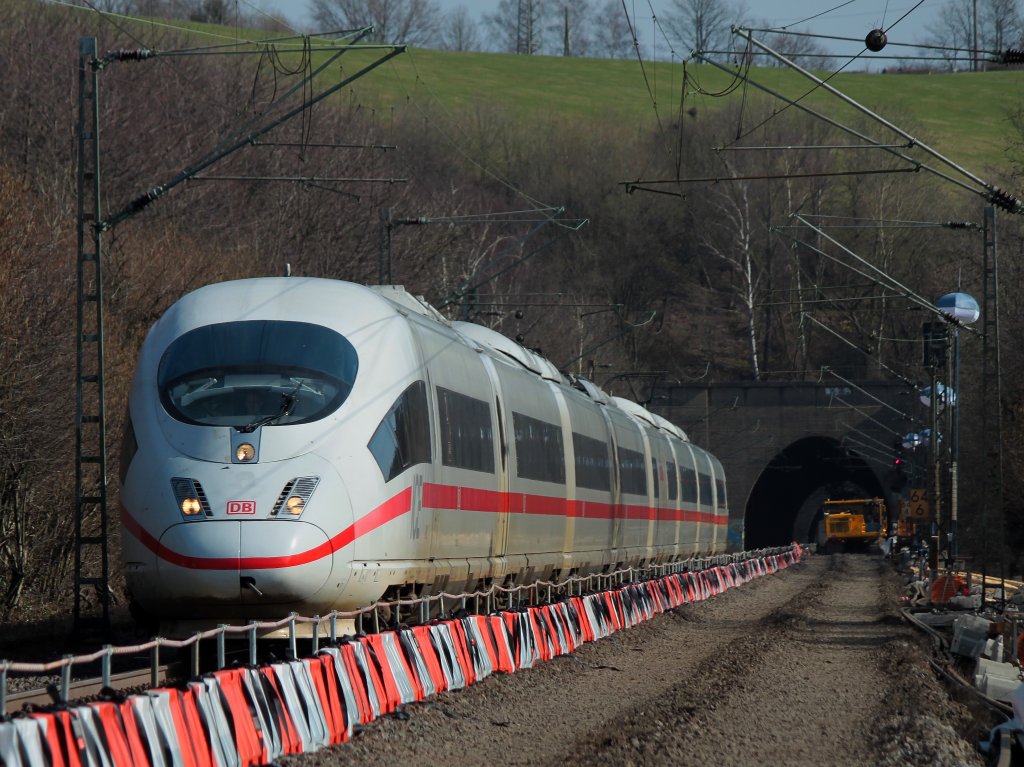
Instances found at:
x=787 y=446
x=785 y=501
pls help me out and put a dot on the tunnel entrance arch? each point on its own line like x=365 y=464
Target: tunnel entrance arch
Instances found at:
x=785 y=501
x=781 y=442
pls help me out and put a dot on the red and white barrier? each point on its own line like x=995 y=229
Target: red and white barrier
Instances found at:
x=243 y=717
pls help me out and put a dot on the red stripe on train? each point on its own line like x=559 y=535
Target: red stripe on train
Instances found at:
x=434 y=497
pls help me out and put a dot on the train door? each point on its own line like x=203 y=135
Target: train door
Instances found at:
x=569 y=480
x=705 y=500
x=633 y=508
x=591 y=442
x=659 y=485
x=499 y=544
x=691 y=529
x=464 y=496
x=721 y=505
x=663 y=467
x=675 y=497
x=536 y=469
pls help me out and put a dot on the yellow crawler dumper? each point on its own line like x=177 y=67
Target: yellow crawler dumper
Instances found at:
x=852 y=524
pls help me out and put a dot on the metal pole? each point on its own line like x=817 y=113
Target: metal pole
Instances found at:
x=936 y=466
x=384 y=258
x=954 y=446
x=991 y=381
x=90 y=419
x=974 y=37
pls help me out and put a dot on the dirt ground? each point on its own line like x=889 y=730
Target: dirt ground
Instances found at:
x=810 y=666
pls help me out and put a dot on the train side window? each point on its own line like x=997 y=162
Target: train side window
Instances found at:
x=403 y=437
x=673 y=489
x=467 y=435
x=632 y=471
x=593 y=465
x=705 y=489
x=720 y=487
x=539 y=453
x=689 y=483
x=654 y=468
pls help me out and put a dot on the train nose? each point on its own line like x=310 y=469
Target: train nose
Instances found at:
x=251 y=562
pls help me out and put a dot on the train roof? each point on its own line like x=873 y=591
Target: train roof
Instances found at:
x=397 y=294
x=228 y=297
x=495 y=341
x=640 y=412
x=504 y=347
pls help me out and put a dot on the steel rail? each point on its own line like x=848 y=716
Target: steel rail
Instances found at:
x=88 y=688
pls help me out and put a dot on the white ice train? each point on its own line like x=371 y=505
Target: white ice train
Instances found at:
x=305 y=445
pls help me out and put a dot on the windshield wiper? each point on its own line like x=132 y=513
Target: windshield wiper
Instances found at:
x=191 y=394
x=302 y=384
x=287 y=405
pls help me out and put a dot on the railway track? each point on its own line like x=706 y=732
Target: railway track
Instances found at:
x=772 y=672
x=142 y=667
x=84 y=689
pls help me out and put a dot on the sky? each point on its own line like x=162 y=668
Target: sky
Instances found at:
x=843 y=18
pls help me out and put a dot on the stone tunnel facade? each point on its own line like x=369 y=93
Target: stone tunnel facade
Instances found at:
x=786 y=447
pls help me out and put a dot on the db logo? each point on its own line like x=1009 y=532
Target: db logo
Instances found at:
x=241 y=507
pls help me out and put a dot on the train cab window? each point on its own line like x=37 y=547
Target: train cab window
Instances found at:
x=720 y=489
x=688 y=480
x=632 y=471
x=670 y=471
x=593 y=465
x=467 y=436
x=654 y=470
x=539 y=453
x=403 y=438
x=256 y=373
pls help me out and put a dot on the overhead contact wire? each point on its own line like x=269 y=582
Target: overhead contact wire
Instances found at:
x=817 y=15
x=643 y=70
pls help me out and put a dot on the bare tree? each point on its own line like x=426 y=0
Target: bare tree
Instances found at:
x=415 y=22
x=612 y=36
x=704 y=24
x=805 y=51
x=459 y=32
x=213 y=11
x=518 y=26
x=999 y=26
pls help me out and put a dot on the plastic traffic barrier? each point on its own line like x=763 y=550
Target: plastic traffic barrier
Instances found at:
x=245 y=717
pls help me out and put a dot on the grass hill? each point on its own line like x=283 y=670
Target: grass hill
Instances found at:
x=963 y=115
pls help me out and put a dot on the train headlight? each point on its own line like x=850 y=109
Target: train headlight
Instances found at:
x=191 y=499
x=245 y=452
x=294 y=497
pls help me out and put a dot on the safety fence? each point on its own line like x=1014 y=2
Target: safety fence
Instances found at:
x=254 y=714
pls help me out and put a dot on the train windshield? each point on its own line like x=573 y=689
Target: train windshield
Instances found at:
x=256 y=373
